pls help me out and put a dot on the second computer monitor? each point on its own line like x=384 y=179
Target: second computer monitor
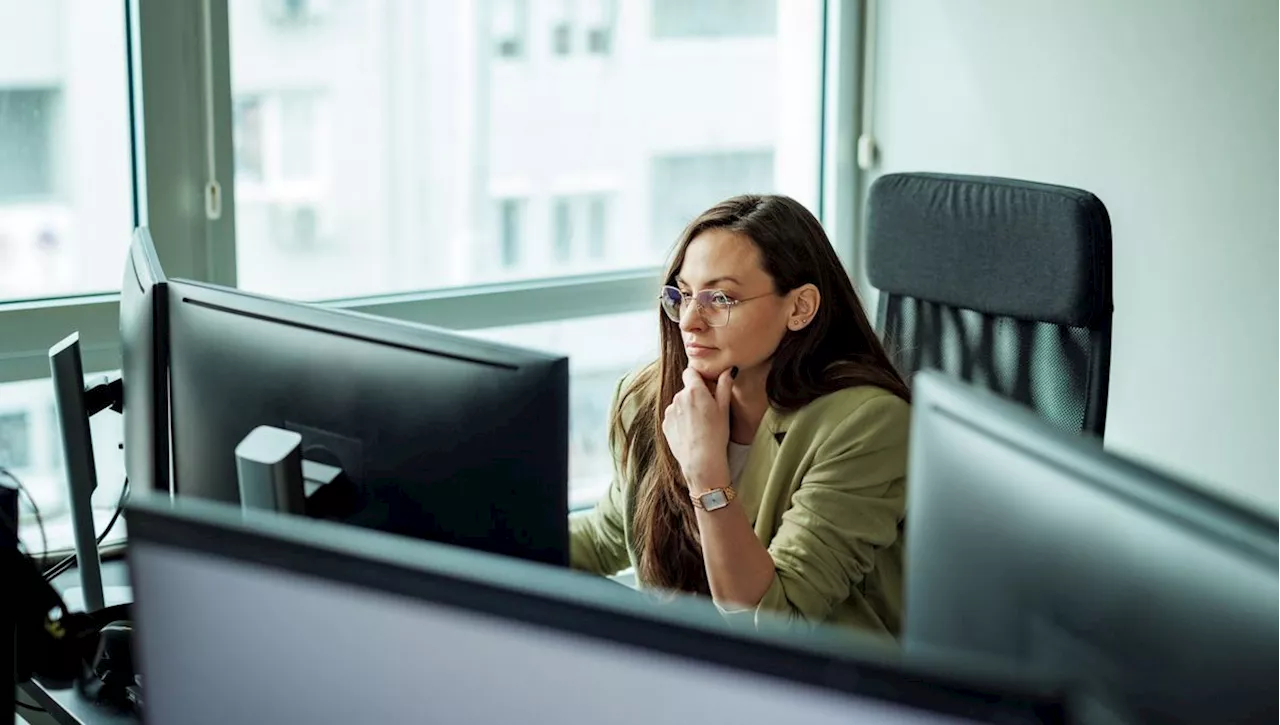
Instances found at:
x=274 y=619
x=1041 y=549
x=144 y=346
x=446 y=438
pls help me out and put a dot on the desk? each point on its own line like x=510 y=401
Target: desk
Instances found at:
x=69 y=707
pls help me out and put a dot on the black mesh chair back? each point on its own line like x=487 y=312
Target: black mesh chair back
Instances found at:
x=1005 y=284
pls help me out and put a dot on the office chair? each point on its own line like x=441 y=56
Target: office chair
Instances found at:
x=1002 y=283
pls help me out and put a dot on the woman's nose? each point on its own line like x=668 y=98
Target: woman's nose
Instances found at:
x=691 y=317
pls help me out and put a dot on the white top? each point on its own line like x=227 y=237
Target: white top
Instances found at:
x=737 y=460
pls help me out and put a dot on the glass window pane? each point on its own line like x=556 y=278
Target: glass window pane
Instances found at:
x=686 y=184
x=601 y=350
x=31 y=449
x=597 y=225
x=714 y=18
x=446 y=144
x=66 y=191
x=564 y=229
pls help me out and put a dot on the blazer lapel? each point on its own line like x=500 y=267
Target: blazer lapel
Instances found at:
x=755 y=473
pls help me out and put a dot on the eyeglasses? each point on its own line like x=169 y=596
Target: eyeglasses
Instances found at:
x=714 y=305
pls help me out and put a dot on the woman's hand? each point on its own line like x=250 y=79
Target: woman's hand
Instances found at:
x=696 y=426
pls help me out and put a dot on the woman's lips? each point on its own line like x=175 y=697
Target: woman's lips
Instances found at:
x=694 y=349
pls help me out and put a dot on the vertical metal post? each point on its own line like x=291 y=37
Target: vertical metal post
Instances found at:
x=82 y=476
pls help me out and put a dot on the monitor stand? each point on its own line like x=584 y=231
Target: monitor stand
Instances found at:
x=75 y=404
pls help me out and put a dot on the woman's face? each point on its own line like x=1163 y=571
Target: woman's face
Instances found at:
x=758 y=317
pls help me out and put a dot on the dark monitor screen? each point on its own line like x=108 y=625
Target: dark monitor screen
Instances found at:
x=1041 y=549
x=143 y=342
x=446 y=438
x=268 y=618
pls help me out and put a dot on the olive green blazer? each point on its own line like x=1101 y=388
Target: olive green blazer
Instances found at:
x=824 y=489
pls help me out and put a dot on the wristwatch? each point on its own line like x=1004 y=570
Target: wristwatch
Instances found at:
x=716 y=498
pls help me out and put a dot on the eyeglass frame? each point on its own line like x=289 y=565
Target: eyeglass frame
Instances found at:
x=697 y=299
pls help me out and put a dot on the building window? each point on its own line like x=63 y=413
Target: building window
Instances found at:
x=598 y=17
x=579 y=227
x=561 y=17
x=510 y=231
x=15 y=440
x=562 y=234
x=294 y=227
x=277 y=139
x=714 y=18
x=508 y=20
x=287 y=13
x=562 y=38
x=27 y=155
x=597 y=225
x=247 y=138
x=298 y=143
x=683 y=186
x=281 y=177
x=410 y=172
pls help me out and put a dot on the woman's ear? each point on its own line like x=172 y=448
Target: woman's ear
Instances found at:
x=804 y=306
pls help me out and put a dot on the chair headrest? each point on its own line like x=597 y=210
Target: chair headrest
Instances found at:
x=998 y=246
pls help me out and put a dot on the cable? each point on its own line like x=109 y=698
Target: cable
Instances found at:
x=44 y=541
x=26 y=706
x=67 y=562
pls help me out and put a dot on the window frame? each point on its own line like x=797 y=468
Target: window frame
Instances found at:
x=171 y=165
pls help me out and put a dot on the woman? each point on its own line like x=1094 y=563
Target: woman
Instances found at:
x=761 y=459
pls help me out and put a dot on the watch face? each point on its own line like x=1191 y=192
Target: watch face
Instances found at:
x=714 y=500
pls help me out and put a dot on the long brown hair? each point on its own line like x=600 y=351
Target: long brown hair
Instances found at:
x=838 y=349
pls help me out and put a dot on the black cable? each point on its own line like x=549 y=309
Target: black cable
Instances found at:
x=44 y=541
x=68 y=561
x=17 y=536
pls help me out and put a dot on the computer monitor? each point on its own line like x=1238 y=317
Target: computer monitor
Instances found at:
x=256 y=617
x=1039 y=548
x=445 y=437
x=144 y=347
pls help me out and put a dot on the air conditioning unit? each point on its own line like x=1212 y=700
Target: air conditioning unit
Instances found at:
x=296 y=12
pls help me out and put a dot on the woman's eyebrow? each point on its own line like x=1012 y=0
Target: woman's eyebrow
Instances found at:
x=712 y=282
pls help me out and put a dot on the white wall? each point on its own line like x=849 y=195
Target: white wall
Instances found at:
x=1167 y=110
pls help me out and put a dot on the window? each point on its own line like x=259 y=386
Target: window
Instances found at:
x=66 y=216
x=564 y=229
x=510 y=231
x=282 y=184
x=598 y=20
x=597 y=225
x=15 y=440
x=286 y=13
x=479 y=181
x=247 y=125
x=31 y=447
x=509 y=21
x=601 y=349
x=66 y=192
x=686 y=184
x=581 y=26
x=561 y=28
x=402 y=179
x=278 y=141
x=580 y=226
x=714 y=18
x=27 y=122
x=299 y=149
